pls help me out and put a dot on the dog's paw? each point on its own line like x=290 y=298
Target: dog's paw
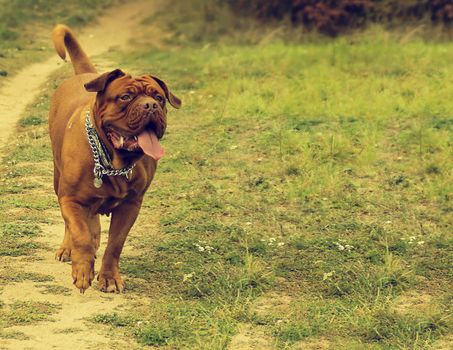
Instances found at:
x=110 y=282
x=63 y=254
x=83 y=274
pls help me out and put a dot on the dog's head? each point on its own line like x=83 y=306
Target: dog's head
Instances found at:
x=132 y=111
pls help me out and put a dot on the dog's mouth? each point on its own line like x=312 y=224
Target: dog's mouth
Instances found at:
x=146 y=141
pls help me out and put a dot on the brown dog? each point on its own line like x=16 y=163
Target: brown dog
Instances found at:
x=104 y=131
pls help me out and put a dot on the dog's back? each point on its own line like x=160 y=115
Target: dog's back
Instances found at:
x=68 y=97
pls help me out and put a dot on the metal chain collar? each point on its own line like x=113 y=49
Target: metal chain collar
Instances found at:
x=102 y=160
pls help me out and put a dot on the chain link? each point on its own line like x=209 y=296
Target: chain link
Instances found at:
x=101 y=156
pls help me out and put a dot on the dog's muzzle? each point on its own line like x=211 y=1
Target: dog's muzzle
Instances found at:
x=147 y=114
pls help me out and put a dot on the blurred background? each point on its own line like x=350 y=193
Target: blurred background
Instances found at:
x=305 y=199
x=332 y=17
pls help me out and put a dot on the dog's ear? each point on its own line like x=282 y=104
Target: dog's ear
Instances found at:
x=174 y=101
x=101 y=82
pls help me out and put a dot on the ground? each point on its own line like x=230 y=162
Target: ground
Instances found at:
x=304 y=201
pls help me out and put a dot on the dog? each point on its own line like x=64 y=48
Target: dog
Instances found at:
x=105 y=131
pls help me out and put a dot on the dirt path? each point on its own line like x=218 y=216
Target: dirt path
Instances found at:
x=67 y=328
x=114 y=29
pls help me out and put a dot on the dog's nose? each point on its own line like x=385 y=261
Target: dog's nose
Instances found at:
x=150 y=106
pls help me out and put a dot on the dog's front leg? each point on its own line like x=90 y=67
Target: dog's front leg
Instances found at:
x=123 y=217
x=83 y=247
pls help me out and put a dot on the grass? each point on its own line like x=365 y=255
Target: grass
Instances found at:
x=17 y=238
x=13 y=276
x=25 y=26
x=54 y=289
x=13 y=335
x=21 y=313
x=315 y=172
x=319 y=170
x=24 y=186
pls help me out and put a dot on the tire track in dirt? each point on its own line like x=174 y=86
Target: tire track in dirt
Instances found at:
x=68 y=327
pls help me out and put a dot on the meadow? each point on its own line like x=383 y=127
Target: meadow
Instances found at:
x=305 y=199
x=25 y=28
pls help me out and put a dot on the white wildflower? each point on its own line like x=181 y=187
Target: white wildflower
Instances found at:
x=200 y=248
x=339 y=246
x=188 y=276
x=327 y=275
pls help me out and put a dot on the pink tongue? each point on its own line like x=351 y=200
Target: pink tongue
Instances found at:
x=149 y=143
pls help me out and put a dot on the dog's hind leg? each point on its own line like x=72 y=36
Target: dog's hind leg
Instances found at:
x=64 y=252
x=95 y=228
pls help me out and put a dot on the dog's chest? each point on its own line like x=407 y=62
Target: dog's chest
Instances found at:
x=107 y=205
x=117 y=190
x=114 y=196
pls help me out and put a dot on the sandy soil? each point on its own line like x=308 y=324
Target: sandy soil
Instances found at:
x=67 y=328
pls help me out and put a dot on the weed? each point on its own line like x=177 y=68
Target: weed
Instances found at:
x=54 y=289
x=31 y=120
x=26 y=312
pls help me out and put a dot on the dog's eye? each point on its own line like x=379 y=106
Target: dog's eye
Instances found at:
x=125 y=97
x=160 y=98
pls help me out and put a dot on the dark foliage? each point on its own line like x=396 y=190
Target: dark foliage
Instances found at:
x=332 y=17
x=442 y=11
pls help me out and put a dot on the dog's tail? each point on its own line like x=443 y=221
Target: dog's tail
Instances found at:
x=65 y=40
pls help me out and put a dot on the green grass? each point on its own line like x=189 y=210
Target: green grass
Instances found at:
x=26 y=312
x=4 y=334
x=16 y=276
x=25 y=187
x=21 y=214
x=17 y=238
x=323 y=166
x=23 y=24
x=314 y=172
x=54 y=289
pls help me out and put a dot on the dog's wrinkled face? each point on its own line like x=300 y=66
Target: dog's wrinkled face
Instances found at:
x=132 y=111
